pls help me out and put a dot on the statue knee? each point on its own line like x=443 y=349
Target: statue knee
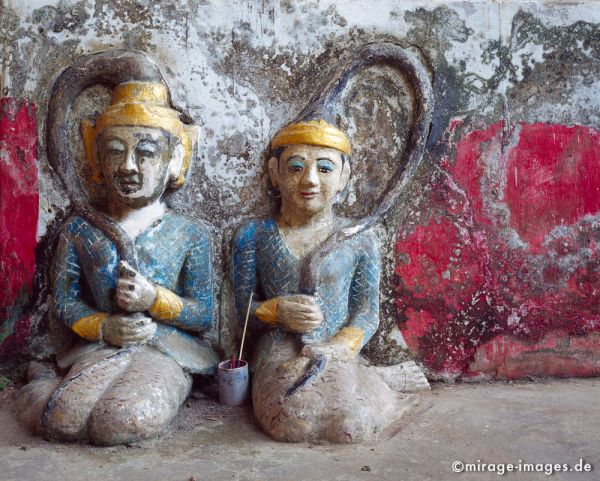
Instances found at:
x=127 y=420
x=31 y=402
x=345 y=428
x=133 y=410
x=64 y=420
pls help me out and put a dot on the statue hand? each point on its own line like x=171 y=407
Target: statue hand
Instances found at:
x=134 y=292
x=299 y=313
x=333 y=349
x=124 y=329
x=344 y=346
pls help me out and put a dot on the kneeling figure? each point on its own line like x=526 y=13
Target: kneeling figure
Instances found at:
x=310 y=383
x=130 y=373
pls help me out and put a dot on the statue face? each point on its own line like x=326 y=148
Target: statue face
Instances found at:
x=309 y=177
x=136 y=163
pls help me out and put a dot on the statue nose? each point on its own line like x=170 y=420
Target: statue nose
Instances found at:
x=129 y=164
x=311 y=178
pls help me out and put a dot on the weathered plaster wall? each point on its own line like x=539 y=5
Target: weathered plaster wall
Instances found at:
x=492 y=254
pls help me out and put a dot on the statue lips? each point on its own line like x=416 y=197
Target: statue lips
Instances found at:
x=309 y=194
x=128 y=184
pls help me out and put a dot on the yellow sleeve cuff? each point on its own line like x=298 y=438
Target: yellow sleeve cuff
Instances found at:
x=352 y=336
x=267 y=311
x=90 y=327
x=166 y=306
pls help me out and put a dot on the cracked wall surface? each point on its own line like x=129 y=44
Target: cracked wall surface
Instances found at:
x=490 y=258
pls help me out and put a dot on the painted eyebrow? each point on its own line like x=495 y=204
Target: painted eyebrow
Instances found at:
x=325 y=159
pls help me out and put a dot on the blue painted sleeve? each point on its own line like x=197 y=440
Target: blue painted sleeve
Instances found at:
x=67 y=286
x=244 y=275
x=196 y=287
x=364 y=290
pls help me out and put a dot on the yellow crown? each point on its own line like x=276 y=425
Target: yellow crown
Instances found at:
x=313 y=132
x=143 y=104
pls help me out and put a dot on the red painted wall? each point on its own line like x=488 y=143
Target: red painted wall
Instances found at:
x=18 y=220
x=502 y=279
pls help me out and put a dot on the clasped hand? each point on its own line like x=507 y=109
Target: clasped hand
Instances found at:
x=135 y=294
x=125 y=329
x=334 y=349
x=299 y=313
x=302 y=314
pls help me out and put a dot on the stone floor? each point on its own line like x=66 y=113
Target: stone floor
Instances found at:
x=543 y=422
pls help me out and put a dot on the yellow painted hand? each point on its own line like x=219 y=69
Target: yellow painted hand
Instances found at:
x=344 y=346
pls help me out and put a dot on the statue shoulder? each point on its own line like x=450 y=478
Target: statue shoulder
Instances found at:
x=194 y=228
x=76 y=226
x=367 y=238
x=368 y=242
x=247 y=231
x=370 y=236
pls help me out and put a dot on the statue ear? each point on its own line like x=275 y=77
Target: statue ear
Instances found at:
x=193 y=132
x=345 y=177
x=176 y=162
x=274 y=171
x=88 y=134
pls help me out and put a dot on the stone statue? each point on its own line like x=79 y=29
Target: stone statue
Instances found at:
x=133 y=282
x=314 y=279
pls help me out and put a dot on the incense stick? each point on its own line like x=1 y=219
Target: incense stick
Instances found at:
x=245 y=327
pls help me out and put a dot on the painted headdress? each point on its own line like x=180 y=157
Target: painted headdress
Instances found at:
x=144 y=104
x=315 y=125
x=140 y=97
x=312 y=132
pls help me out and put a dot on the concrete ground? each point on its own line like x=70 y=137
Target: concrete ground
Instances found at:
x=544 y=422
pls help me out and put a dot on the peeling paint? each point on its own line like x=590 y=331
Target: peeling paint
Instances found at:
x=544 y=284
x=242 y=69
x=18 y=221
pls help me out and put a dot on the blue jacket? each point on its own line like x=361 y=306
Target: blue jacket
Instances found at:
x=174 y=252
x=347 y=291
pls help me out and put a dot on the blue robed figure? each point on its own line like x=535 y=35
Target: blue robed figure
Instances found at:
x=133 y=282
x=347 y=401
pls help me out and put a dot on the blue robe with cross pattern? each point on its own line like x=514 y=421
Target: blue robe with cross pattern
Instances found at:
x=347 y=288
x=174 y=252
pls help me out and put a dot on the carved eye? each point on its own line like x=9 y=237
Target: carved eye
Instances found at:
x=115 y=147
x=325 y=166
x=146 y=148
x=296 y=164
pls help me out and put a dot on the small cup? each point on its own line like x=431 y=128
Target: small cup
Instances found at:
x=233 y=382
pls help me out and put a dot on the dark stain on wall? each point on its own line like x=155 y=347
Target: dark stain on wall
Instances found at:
x=540 y=73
